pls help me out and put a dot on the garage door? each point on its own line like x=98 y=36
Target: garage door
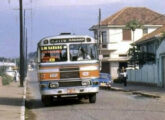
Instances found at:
x=105 y=67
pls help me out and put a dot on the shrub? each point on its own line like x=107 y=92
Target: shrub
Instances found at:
x=6 y=79
x=2 y=70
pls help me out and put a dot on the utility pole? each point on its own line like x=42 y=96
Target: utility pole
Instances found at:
x=22 y=56
x=25 y=43
x=99 y=37
x=26 y=51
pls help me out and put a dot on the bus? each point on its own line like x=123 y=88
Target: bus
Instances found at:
x=68 y=65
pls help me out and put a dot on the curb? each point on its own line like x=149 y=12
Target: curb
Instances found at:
x=146 y=94
x=120 y=89
x=22 y=117
x=133 y=92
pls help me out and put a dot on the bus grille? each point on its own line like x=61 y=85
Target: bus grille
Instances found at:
x=69 y=73
x=70 y=84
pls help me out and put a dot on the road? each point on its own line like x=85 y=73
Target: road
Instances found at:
x=110 y=105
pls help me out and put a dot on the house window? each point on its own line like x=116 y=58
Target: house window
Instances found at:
x=122 y=55
x=107 y=55
x=104 y=37
x=104 y=46
x=96 y=35
x=145 y=31
x=126 y=34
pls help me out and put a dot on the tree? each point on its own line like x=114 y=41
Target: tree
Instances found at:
x=140 y=57
x=133 y=25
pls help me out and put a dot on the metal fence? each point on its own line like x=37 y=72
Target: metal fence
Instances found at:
x=147 y=74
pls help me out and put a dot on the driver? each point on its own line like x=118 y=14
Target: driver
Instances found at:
x=82 y=54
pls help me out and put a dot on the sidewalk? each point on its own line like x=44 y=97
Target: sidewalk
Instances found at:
x=11 y=101
x=149 y=91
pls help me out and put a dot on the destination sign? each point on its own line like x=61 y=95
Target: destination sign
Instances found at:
x=67 y=40
x=54 y=47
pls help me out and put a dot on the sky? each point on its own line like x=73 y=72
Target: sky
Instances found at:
x=51 y=17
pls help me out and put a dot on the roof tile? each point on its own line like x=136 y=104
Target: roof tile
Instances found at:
x=142 y=14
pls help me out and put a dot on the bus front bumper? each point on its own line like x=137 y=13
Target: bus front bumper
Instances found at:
x=70 y=91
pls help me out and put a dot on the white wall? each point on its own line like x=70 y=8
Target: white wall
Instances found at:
x=151 y=29
x=116 y=43
x=115 y=35
x=114 y=69
x=147 y=74
x=137 y=34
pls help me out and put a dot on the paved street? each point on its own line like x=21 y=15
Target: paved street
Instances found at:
x=110 y=105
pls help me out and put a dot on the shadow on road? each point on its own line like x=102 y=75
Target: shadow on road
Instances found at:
x=37 y=104
x=10 y=101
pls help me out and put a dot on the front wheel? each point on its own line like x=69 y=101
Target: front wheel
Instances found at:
x=92 y=98
x=47 y=100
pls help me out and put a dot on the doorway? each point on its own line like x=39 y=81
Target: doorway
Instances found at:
x=122 y=64
x=105 y=67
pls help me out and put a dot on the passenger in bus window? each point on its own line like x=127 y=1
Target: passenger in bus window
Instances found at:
x=82 y=54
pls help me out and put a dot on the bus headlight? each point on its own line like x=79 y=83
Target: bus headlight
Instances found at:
x=85 y=83
x=54 y=85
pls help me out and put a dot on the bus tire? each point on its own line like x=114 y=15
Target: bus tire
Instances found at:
x=80 y=97
x=92 y=98
x=47 y=100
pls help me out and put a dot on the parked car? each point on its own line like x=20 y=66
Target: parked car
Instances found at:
x=105 y=79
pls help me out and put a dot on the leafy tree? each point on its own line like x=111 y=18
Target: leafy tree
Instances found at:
x=133 y=25
x=139 y=57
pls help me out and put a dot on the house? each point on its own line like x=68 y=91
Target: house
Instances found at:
x=153 y=70
x=116 y=39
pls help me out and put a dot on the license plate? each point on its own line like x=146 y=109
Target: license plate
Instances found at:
x=70 y=90
x=102 y=84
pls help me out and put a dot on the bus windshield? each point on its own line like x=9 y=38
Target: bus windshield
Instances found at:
x=82 y=52
x=55 y=53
